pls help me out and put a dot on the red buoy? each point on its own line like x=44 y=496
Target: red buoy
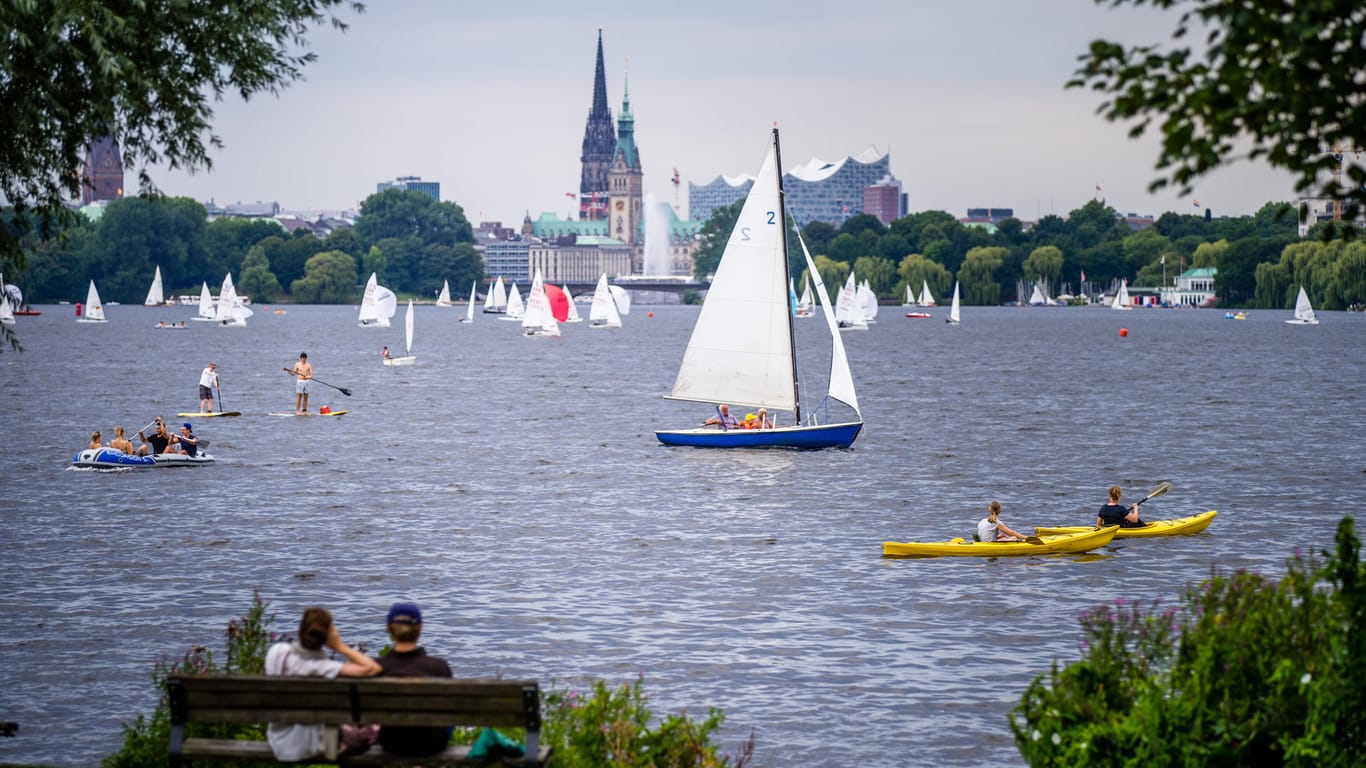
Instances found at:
x=649 y=314
x=1123 y=332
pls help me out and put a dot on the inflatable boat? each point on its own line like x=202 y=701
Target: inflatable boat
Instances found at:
x=109 y=458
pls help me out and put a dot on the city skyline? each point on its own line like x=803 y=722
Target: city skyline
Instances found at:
x=969 y=101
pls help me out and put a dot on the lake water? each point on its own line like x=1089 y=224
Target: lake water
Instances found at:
x=514 y=488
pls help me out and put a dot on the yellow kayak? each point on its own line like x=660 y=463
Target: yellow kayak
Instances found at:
x=1083 y=541
x=1176 y=527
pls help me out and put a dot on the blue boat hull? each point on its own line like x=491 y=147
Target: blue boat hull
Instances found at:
x=822 y=436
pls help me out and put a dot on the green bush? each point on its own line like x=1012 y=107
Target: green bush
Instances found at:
x=1249 y=671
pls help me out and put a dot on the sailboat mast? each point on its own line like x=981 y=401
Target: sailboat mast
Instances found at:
x=782 y=239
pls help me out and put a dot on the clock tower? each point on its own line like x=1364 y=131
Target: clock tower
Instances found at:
x=102 y=176
x=625 y=188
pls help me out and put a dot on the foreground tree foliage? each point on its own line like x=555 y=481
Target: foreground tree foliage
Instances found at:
x=1247 y=671
x=604 y=725
x=1284 y=78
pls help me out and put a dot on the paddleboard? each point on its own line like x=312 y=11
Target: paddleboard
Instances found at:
x=209 y=415
x=310 y=413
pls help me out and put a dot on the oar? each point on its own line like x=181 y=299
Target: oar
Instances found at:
x=342 y=390
x=219 y=392
x=1157 y=490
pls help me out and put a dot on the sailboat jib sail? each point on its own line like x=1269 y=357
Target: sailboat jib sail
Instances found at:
x=1304 y=311
x=603 y=313
x=408 y=358
x=469 y=308
x=155 y=296
x=443 y=299
x=742 y=351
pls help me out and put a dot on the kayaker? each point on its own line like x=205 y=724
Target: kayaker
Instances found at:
x=992 y=529
x=208 y=382
x=1114 y=514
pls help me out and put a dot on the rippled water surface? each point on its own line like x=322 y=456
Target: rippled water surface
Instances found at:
x=514 y=488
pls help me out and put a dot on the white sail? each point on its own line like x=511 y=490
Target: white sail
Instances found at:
x=848 y=312
x=1037 y=299
x=230 y=310
x=497 y=299
x=741 y=348
x=910 y=297
x=1304 y=311
x=93 y=311
x=469 y=309
x=573 y=309
x=537 y=319
x=1122 y=296
x=408 y=328
x=515 y=307
x=155 y=297
x=953 y=308
x=926 y=298
x=444 y=299
x=806 y=306
x=6 y=309
x=603 y=313
x=841 y=379
x=488 y=300
x=207 y=312
x=868 y=300
x=377 y=304
x=622 y=297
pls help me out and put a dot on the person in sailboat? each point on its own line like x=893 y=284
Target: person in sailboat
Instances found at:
x=990 y=528
x=158 y=442
x=722 y=419
x=208 y=381
x=1115 y=514
x=121 y=443
x=303 y=373
x=385 y=353
x=189 y=444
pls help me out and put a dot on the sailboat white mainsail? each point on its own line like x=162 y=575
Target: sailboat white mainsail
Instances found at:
x=537 y=319
x=910 y=297
x=926 y=298
x=743 y=349
x=515 y=307
x=574 y=316
x=496 y=301
x=806 y=305
x=849 y=313
x=1037 y=299
x=1304 y=311
x=868 y=300
x=469 y=308
x=6 y=309
x=231 y=312
x=603 y=313
x=94 y=308
x=622 y=298
x=1122 y=296
x=444 y=298
x=377 y=304
x=408 y=358
x=953 y=308
x=155 y=296
x=207 y=313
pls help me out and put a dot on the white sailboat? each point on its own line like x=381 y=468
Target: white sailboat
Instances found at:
x=603 y=313
x=6 y=309
x=1122 y=296
x=868 y=300
x=469 y=308
x=622 y=298
x=496 y=300
x=806 y=305
x=231 y=313
x=155 y=297
x=444 y=298
x=743 y=349
x=377 y=304
x=515 y=308
x=207 y=313
x=910 y=297
x=574 y=316
x=94 y=308
x=1304 y=311
x=408 y=358
x=952 y=319
x=538 y=320
x=1037 y=299
x=849 y=314
x=926 y=298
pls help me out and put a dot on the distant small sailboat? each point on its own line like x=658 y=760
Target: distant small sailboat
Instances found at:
x=538 y=320
x=603 y=313
x=496 y=300
x=574 y=316
x=952 y=319
x=868 y=300
x=409 y=358
x=1122 y=296
x=232 y=313
x=516 y=308
x=910 y=297
x=469 y=308
x=806 y=305
x=849 y=315
x=444 y=298
x=926 y=298
x=94 y=308
x=1304 y=311
x=155 y=296
x=207 y=313
x=1037 y=298
x=377 y=304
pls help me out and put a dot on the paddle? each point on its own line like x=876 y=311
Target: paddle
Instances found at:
x=342 y=390
x=1157 y=490
x=219 y=392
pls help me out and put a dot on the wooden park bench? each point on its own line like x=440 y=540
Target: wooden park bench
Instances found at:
x=386 y=701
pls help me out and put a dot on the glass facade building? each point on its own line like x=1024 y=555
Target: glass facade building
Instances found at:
x=817 y=190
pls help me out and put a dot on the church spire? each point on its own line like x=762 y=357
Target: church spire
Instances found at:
x=599 y=139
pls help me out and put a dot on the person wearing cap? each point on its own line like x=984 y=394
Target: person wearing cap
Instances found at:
x=208 y=382
x=189 y=444
x=304 y=657
x=408 y=659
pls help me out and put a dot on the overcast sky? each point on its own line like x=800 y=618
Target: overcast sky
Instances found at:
x=490 y=101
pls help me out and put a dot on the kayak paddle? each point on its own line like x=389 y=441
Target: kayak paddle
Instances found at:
x=1157 y=490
